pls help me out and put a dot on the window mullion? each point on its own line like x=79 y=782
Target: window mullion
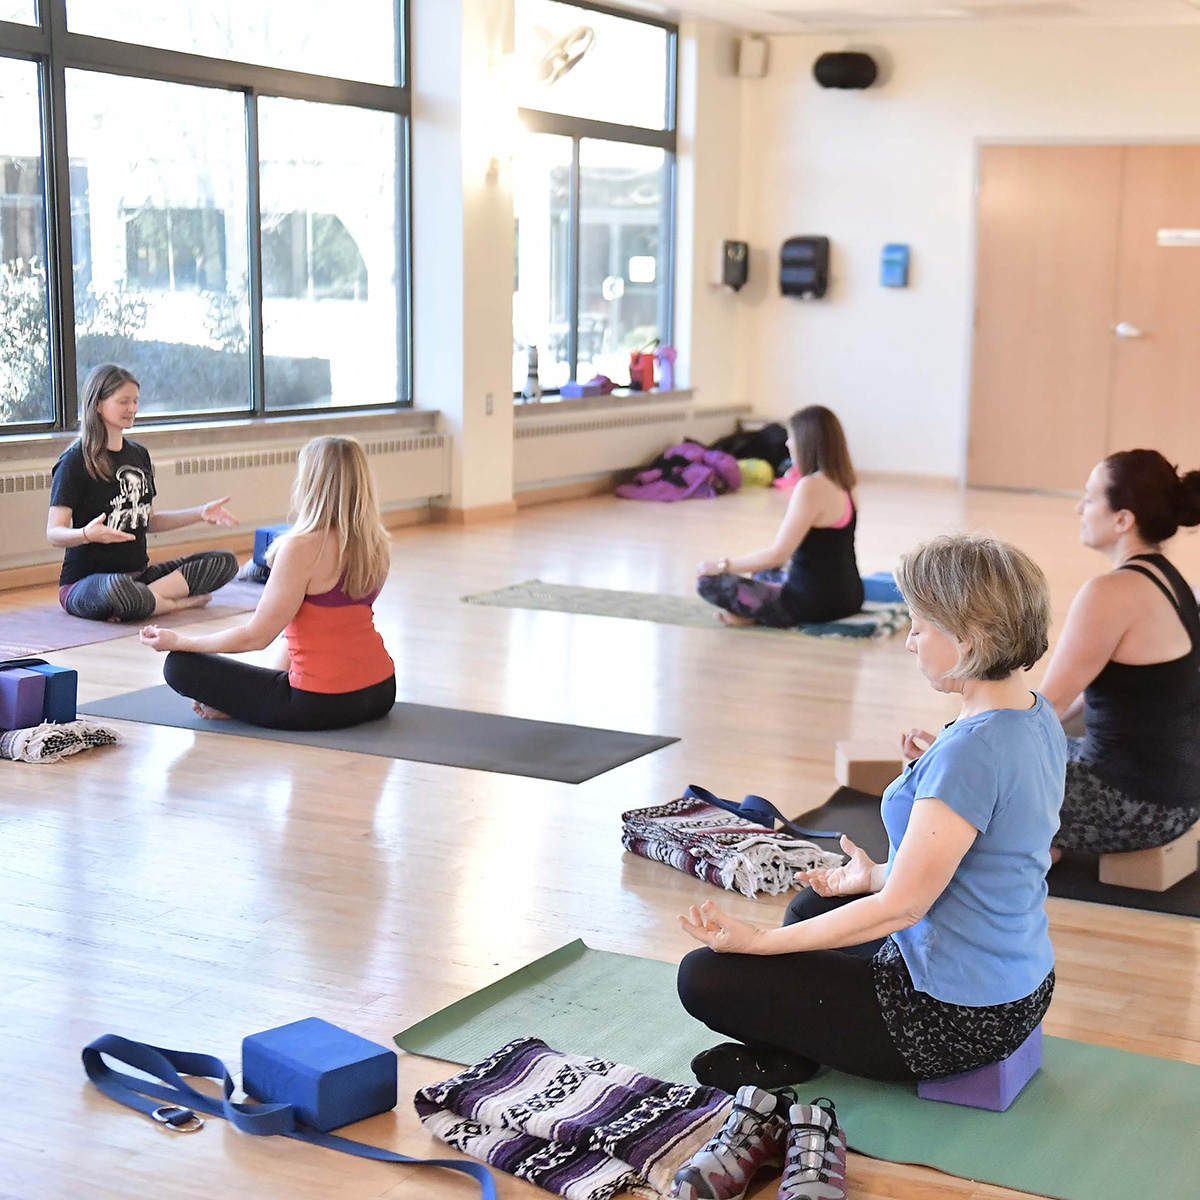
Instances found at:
x=258 y=384
x=573 y=256
x=60 y=272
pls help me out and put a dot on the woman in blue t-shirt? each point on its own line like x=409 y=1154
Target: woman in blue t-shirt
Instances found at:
x=939 y=960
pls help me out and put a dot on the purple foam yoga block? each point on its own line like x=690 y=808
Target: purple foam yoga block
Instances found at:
x=994 y=1087
x=22 y=694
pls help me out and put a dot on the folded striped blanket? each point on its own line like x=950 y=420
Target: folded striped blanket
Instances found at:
x=582 y=1128
x=720 y=847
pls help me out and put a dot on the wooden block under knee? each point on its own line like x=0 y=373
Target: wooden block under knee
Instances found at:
x=866 y=766
x=1153 y=870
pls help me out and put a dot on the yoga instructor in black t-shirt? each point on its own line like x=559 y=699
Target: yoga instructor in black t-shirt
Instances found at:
x=102 y=507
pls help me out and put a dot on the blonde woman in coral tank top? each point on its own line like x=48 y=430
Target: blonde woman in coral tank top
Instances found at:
x=325 y=574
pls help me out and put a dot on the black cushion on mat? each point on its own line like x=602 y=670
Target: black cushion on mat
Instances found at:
x=1075 y=877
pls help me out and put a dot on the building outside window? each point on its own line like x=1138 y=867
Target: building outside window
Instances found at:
x=593 y=190
x=184 y=125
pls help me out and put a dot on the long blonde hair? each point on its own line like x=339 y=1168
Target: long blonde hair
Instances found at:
x=93 y=433
x=334 y=492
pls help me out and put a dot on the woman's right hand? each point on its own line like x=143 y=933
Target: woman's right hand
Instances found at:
x=98 y=531
x=852 y=878
x=910 y=743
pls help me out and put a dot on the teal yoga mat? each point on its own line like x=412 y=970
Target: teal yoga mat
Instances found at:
x=1093 y=1124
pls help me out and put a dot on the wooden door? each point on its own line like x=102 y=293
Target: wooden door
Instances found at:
x=1045 y=289
x=1155 y=395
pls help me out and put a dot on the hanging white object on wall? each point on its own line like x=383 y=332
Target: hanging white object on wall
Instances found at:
x=752 y=55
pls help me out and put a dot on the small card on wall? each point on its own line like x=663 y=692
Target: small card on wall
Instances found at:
x=894 y=265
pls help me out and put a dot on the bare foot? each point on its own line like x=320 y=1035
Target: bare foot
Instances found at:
x=1055 y=855
x=209 y=714
x=728 y=618
x=162 y=605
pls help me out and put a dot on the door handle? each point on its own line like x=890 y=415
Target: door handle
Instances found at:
x=1123 y=329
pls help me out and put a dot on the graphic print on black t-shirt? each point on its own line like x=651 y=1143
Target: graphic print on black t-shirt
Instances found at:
x=130 y=509
x=124 y=500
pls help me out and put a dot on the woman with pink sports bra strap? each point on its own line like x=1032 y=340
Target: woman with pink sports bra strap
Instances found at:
x=815 y=543
x=325 y=574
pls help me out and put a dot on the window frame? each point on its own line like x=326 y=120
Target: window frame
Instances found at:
x=536 y=120
x=54 y=50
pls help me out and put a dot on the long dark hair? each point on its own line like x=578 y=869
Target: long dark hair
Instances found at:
x=821 y=445
x=1147 y=485
x=93 y=433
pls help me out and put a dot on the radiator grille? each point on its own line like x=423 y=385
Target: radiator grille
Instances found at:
x=32 y=481
x=206 y=464
x=596 y=425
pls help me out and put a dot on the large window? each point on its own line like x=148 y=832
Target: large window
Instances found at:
x=26 y=394
x=593 y=190
x=212 y=195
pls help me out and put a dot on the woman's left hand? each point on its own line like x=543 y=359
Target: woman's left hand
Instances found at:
x=215 y=513
x=159 y=639
x=721 y=932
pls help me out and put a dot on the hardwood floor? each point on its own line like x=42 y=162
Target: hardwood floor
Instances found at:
x=187 y=890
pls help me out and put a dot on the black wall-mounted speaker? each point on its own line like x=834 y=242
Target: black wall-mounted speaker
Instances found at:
x=850 y=70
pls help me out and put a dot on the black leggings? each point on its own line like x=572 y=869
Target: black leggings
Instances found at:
x=266 y=698
x=119 y=597
x=819 y=1004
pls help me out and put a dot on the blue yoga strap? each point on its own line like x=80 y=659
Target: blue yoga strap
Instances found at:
x=759 y=810
x=181 y=1102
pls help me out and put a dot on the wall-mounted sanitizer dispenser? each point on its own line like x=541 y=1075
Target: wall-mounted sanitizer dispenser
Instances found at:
x=731 y=265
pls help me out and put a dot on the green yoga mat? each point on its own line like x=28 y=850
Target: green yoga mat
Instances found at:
x=1093 y=1124
x=876 y=620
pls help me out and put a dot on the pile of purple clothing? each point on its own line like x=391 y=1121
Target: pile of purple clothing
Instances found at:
x=687 y=471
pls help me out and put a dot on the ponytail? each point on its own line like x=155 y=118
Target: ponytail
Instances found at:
x=1187 y=505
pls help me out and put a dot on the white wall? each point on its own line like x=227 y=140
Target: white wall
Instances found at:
x=897 y=163
x=707 y=330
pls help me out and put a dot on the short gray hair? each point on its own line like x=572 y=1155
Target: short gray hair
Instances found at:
x=982 y=592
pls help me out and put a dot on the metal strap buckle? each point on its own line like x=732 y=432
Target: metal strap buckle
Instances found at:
x=173 y=1117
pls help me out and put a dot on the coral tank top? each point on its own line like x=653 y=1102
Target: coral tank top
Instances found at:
x=334 y=646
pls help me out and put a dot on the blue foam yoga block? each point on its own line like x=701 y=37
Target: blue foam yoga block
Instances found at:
x=62 y=689
x=881 y=587
x=994 y=1087
x=331 y=1076
x=22 y=695
x=263 y=537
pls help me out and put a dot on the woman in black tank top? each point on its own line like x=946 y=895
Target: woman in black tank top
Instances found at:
x=1131 y=664
x=820 y=581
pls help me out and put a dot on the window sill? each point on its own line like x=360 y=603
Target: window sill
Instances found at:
x=241 y=431
x=619 y=399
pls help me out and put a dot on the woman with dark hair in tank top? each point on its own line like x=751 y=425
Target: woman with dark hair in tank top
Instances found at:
x=815 y=540
x=325 y=574
x=1129 y=660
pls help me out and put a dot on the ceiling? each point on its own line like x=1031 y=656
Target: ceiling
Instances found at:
x=844 y=16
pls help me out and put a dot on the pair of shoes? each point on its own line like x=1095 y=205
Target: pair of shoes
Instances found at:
x=756 y=1135
x=732 y=1065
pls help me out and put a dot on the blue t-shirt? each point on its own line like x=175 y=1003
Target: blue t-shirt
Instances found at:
x=986 y=938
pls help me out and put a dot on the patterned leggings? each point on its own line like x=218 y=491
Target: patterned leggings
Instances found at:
x=1101 y=819
x=754 y=598
x=121 y=597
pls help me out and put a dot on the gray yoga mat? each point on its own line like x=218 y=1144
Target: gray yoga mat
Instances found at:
x=1093 y=1123
x=1075 y=877
x=451 y=737
x=42 y=628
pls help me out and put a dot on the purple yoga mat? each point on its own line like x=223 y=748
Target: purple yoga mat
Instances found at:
x=46 y=627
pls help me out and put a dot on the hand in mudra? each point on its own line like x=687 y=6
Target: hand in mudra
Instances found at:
x=719 y=931
x=852 y=878
x=100 y=532
x=215 y=513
